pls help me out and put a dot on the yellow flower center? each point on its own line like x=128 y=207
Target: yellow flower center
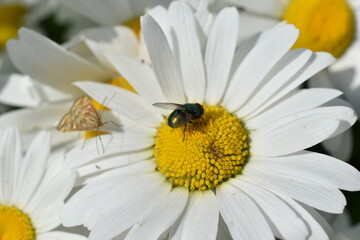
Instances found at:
x=11 y=16
x=15 y=224
x=325 y=25
x=134 y=24
x=214 y=149
x=119 y=82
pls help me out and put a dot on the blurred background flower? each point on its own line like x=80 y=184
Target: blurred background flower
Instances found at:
x=33 y=188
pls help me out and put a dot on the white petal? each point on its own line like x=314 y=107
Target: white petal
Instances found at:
x=201 y=218
x=316 y=230
x=270 y=47
x=161 y=16
x=164 y=214
x=104 y=13
x=313 y=166
x=242 y=216
x=190 y=55
x=320 y=220
x=279 y=76
x=32 y=168
x=135 y=170
x=47 y=217
x=345 y=74
x=270 y=8
x=323 y=197
x=205 y=19
x=31 y=121
x=140 y=75
x=220 y=49
x=342 y=111
x=49 y=198
x=124 y=102
x=55 y=235
x=118 y=40
x=277 y=139
x=11 y=158
x=322 y=79
x=19 y=90
x=84 y=203
x=296 y=101
x=165 y=64
x=112 y=143
x=340 y=146
x=285 y=220
x=45 y=61
x=113 y=162
x=81 y=7
x=317 y=62
x=128 y=210
x=250 y=24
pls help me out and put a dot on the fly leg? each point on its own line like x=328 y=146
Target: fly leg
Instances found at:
x=196 y=126
x=184 y=132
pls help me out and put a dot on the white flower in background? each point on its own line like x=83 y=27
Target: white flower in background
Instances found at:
x=15 y=14
x=32 y=190
x=342 y=226
x=112 y=12
x=50 y=70
x=325 y=25
x=241 y=170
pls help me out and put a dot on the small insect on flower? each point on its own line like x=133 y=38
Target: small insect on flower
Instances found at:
x=83 y=117
x=182 y=114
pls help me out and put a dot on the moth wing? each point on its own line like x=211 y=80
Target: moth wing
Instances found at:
x=169 y=106
x=82 y=116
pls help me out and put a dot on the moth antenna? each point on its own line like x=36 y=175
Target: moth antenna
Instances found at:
x=104 y=104
x=102 y=109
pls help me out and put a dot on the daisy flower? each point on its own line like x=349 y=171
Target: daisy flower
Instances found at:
x=46 y=90
x=13 y=15
x=325 y=25
x=241 y=170
x=32 y=190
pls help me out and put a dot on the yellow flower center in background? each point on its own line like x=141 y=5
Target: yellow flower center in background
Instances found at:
x=135 y=25
x=215 y=148
x=11 y=16
x=15 y=225
x=119 y=82
x=325 y=25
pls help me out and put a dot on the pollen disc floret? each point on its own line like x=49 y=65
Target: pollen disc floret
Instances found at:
x=325 y=25
x=213 y=150
x=15 y=224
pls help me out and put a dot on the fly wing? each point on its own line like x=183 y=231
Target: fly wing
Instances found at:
x=82 y=116
x=168 y=106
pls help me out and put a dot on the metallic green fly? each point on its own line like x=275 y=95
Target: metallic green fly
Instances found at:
x=182 y=113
